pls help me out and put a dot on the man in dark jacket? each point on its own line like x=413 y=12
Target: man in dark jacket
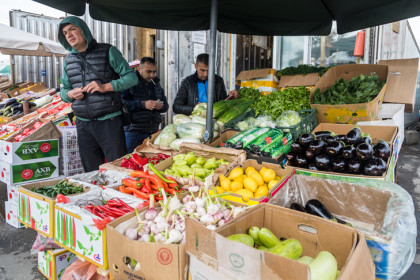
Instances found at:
x=193 y=89
x=146 y=102
x=93 y=76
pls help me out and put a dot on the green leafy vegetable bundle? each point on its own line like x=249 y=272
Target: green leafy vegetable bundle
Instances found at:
x=302 y=70
x=277 y=102
x=360 y=89
x=249 y=94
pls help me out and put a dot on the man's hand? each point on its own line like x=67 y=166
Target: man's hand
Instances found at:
x=76 y=93
x=97 y=87
x=150 y=104
x=159 y=105
x=234 y=93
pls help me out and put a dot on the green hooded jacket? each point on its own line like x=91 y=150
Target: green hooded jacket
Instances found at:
x=127 y=78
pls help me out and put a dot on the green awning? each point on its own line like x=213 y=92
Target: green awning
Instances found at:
x=266 y=17
x=5 y=70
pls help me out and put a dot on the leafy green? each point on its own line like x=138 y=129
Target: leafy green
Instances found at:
x=249 y=94
x=275 y=103
x=360 y=89
x=302 y=70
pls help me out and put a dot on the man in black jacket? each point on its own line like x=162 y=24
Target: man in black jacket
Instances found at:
x=146 y=102
x=193 y=89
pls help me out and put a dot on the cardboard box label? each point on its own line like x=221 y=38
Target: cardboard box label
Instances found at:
x=33 y=171
x=19 y=152
x=86 y=241
x=237 y=260
x=35 y=213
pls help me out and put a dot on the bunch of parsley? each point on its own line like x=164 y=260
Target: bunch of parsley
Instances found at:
x=360 y=89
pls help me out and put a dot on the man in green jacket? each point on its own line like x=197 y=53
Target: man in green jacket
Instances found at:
x=93 y=76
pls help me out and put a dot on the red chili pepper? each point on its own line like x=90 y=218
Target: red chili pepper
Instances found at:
x=131 y=183
x=138 y=193
x=136 y=158
x=101 y=224
x=143 y=204
x=124 y=204
x=113 y=203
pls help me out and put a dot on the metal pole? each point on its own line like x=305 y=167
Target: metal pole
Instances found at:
x=208 y=135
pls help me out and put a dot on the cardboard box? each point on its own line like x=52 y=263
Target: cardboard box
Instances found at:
x=156 y=260
x=14 y=92
x=12 y=193
x=53 y=263
x=283 y=173
x=349 y=113
x=234 y=157
x=239 y=261
x=391 y=115
x=143 y=150
x=386 y=133
x=37 y=87
x=388 y=226
x=10 y=214
x=35 y=170
x=307 y=80
x=199 y=270
x=265 y=80
x=401 y=82
x=26 y=152
x=47 y=131
x=36 y=210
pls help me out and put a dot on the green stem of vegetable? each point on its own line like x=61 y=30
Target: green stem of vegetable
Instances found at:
x=153 y=168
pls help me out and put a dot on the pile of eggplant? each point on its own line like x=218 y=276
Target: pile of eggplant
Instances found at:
x=352 y=153
x=315 y=207
x=13 y=107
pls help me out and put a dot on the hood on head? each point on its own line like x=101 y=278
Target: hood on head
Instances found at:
x=78 y=22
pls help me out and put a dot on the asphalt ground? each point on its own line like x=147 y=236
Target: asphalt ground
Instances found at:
x=17 y=262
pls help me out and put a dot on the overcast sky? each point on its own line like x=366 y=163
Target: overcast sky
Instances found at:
x=34 y=7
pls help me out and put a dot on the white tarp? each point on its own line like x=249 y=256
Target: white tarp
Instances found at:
x=17 y=42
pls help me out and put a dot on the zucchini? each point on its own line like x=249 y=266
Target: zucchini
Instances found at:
x=323 y=267
x=267 y=238
x=290 y=248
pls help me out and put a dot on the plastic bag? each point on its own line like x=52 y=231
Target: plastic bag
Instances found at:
x=288 y=118
x=82 y=271
x=43 y=243
x=180 y=119
x=176 y=143
x=383 y=211
x=265 y=121
x=191 y=130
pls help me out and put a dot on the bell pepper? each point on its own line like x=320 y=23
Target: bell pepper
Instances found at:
x=126 y=163
x=137 y=159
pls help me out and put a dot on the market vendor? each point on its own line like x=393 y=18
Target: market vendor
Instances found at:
x=193 y=89
x=93 y=76
x=146 y=102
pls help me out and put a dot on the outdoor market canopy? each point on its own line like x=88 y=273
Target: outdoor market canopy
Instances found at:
x=269 y=17
x=17 y=42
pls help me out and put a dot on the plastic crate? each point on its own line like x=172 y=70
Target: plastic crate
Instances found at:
x=70 y=162
x=73 y=172
x=306 y=125
x=69 y=139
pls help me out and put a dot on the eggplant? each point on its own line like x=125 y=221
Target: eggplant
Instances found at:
x=291 y=157
x=364 y=151
x=297 y=206
x=331 y=139
x=341 y=137
x=382 y=150
x=322 y=161
x=348 y=152
x=296 y=147
x=312 y=166
x=367 y=140
x=334 y=148
x=306 y=139
x=315 y=207
x=353 y=136
x=374 y=167
x=309 y=154
x=301 y=160
x=354 y=166
x=322 y=134
x=317 y=146
x=10 y=101
x=339 y=164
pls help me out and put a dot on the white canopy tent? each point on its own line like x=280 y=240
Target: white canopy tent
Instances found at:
x=17 y=42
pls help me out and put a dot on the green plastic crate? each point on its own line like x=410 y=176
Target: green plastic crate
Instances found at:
x=306 y=125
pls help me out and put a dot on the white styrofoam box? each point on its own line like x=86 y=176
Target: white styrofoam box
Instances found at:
x=11 y=211
x=13 y=174
x=392 y=115
x=12 y=193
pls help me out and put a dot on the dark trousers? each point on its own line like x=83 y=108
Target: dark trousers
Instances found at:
x=133 y=139
x=100 y=139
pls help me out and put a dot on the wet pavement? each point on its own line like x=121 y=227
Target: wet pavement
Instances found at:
x=17 y=262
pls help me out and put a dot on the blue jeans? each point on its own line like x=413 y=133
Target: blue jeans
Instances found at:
x=133 y=139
